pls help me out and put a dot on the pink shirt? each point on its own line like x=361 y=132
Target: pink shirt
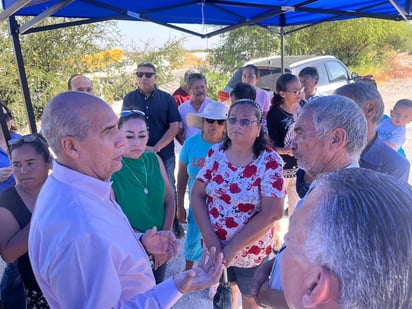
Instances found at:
x=263 y=99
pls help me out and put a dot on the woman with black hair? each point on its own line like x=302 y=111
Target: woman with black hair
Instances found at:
x=31 y=162
x=238 y=195
x=286 y=104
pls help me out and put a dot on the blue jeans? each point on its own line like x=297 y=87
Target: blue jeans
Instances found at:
x=12 y=291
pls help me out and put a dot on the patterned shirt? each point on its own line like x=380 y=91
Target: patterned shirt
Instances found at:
x=234 y=197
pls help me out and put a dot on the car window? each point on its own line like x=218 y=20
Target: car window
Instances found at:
x=323 y=74
x=268 y=78
x=337 y=71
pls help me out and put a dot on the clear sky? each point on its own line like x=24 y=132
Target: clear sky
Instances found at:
x=135 y=34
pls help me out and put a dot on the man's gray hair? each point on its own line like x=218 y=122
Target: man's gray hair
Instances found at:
x=188 y=72
x=331 y=112
x=59 y=120
x=361 y=230
x=362 y=93
x=195 y=76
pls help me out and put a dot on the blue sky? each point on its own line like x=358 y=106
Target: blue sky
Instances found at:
x=137 y=33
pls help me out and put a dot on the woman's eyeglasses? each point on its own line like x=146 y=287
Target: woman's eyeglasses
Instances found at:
x=220 y=122
x=243 y=122
x=127 y=113
x=296 y=91
x=29 y=138
x=145 y=74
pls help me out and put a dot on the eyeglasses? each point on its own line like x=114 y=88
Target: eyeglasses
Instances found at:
x=30 y=138
x=243 y=122
x=296 y=91
x=128 y=112
x=145 y=74
x=220 y=122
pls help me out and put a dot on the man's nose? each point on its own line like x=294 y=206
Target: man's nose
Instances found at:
x=24 y=169
x=121 y=141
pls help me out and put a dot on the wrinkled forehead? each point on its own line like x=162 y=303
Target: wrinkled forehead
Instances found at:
x=80 y=80
x=304 y=121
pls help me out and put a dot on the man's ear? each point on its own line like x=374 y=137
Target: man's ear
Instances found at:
x=338 y=138
x=69 y=145
x=323 y=289
x=370 y=109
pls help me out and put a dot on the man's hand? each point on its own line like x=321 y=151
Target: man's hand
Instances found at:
x=160 y=242
x=262 y=296
x=261 y=275
x=5 y=173
x=207 y=272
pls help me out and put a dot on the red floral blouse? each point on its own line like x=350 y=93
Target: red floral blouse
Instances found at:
x=234 y=197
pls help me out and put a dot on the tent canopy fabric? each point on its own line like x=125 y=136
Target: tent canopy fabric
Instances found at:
x=226 y=13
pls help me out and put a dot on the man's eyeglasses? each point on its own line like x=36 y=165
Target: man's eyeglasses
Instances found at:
x=127 y=113
x=145 y=74
x=296 y=91
x=243 y=122
x=220 y=122
x=29 y=138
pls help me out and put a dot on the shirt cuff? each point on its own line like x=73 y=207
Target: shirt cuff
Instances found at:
x=169 y=293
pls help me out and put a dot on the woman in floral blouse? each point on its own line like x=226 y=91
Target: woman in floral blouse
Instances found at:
x=238 y=195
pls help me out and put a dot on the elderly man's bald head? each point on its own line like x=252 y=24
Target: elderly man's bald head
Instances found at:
x=66 y=115
x=79 y=82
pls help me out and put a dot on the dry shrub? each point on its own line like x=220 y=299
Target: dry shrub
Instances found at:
x=193 y=61
x=398 y=68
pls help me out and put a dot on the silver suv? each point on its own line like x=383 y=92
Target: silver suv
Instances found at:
x=332 y=73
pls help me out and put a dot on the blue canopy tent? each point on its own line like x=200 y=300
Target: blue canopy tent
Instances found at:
x=226 y=14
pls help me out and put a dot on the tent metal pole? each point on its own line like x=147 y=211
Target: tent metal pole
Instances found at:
x=18 y=56
x=282 y=42
x=282 y=50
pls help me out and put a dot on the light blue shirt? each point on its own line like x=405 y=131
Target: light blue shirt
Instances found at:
x=274 y=281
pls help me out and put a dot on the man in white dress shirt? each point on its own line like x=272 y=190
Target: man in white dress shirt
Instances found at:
x=82 y=248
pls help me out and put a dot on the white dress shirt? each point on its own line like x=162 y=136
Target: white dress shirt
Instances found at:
x=84 y=252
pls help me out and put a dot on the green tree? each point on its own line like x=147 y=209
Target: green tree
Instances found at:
x=119 y=78
x=243 y=44
x=167 y=58
x=355 y=41
x=50 y=57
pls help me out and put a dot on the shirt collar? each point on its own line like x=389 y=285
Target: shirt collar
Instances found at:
x=81 y=181
x=142 y=93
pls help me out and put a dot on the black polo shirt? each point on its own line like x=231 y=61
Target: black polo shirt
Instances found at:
x=161 y=110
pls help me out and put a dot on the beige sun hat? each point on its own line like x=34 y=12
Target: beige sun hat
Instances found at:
x=214 y=110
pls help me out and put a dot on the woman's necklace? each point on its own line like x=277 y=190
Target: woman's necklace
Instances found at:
x=145 y=189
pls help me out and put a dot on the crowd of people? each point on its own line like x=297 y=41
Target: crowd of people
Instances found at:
x=99 y=229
